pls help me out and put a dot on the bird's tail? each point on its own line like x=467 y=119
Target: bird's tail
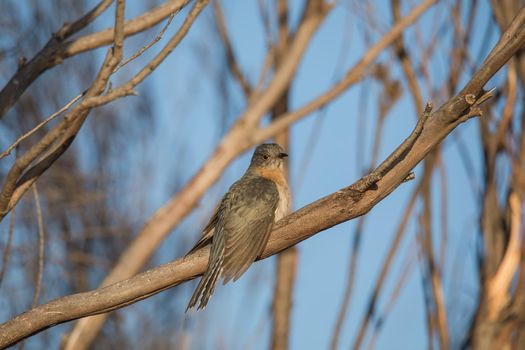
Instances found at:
x=206 y=286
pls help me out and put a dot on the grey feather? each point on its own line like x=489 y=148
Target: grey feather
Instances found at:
x=242 y=225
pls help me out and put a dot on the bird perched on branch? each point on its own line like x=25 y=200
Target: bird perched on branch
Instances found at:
x=241 y=224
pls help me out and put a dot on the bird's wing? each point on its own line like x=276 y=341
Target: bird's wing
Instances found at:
x=216 y=234
x=248 y=223
x=238 y=231
x=207 y=232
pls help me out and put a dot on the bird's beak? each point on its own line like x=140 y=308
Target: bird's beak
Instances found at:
x=283 y=155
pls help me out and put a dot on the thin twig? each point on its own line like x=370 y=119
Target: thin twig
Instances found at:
x=230 y=56
x=406 y=64
x=443 y=209
x=432 y=273
x=36 y=128
x=385 y=268
x=406 y=270
x=267 y=25
x=146 y=47
x=408 y=143
x=426 y=294
x=263 y=75
x=71 y=28
x=347 y=296
x=508 y=110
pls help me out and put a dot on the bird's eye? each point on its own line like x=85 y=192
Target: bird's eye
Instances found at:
x=265 y=156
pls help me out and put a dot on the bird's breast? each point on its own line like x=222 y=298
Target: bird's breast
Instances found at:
x=277 y=176
x=283 y=207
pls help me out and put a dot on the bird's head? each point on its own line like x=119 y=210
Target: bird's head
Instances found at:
x=269 y=156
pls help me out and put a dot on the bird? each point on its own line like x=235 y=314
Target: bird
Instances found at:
x=241 y=224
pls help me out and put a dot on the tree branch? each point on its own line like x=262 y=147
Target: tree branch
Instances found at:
x=230 y=55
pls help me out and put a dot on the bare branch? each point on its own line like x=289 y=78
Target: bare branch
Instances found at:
x=69 y=29
x=385 y=268
x=401 y=282
x=406 y=64
x=119 y=32
x=499 y=284
x=146 y=47
x=41 y=245
x=352 y=267
x=364 y=183
x=432 y=271
x=40 y=125
x=230 y=56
